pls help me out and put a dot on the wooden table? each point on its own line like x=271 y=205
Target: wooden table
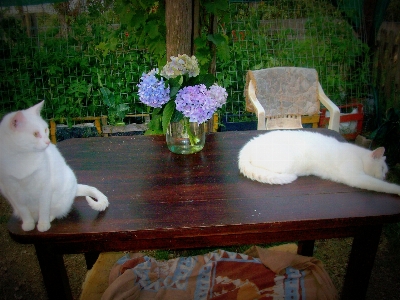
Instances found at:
x=160 y=200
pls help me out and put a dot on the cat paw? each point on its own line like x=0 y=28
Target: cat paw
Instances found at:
x=43 y=226
x=28 y=225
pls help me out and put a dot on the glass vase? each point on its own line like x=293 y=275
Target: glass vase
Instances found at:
x=185 y=137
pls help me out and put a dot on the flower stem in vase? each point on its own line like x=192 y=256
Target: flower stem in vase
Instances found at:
x=185 y=137
x=192 y=138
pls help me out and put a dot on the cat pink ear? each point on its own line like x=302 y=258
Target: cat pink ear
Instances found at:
x=17 y=120
x=378 y=153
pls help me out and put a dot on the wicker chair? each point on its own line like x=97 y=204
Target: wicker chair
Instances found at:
x=286 y=97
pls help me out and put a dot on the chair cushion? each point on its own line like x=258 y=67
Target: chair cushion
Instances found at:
x=259 y=274
x=284 y=91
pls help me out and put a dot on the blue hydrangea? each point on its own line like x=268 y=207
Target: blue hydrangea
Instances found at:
x=152 y=91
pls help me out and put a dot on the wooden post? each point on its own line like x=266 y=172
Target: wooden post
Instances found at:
x=179 y=22
x=53 y=127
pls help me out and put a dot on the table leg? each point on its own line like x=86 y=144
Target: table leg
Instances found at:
x=306 y=248
x=91 y=258
x=361 y=262
x=54 y=273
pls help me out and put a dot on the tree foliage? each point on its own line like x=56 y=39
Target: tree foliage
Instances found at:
x=145 y=22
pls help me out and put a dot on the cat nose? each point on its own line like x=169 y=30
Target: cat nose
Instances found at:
x=47 y=142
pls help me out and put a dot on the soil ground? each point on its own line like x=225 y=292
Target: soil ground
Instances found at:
x=20 y=276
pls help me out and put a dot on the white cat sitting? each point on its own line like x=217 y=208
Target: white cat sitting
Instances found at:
x=279 y=157
x=34 y=177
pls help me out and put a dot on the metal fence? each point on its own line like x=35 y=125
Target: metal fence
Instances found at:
x=56 y=52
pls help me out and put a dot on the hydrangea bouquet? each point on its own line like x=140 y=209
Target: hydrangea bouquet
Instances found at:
x=179 y=91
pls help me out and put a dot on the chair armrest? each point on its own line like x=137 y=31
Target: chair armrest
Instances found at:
x=334 y=111
x=257 y=106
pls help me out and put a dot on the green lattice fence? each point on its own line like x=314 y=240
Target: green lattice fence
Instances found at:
x=299 y=33
x=62 y=61
x=56 y=52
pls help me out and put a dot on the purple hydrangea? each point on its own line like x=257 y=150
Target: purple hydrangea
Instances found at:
x=219 y=95
x=152 y=91
x=199 y=104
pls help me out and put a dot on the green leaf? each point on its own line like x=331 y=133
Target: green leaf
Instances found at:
x=108 y=96
x=224 y=52
x=113 y=42
x=101 y=46
x=169 y=110
x=207 y=79
x=61 y=109
x=200 y=42
x=174 y=85
x=154 y=126
x=152 y=29
x=121 y=109
x=157 y=46
x=221 y=41
x=157 y=111
x=177 y=116
x=203 y=56
x=153 y=132
x=217 y=7
x=217 y=39
x=138 y=20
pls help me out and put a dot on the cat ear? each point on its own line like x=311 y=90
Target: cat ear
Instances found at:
x=37 y=108
x=378 y=153
x=17 y=120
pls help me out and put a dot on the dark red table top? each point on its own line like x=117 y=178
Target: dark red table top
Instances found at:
x=163 y=200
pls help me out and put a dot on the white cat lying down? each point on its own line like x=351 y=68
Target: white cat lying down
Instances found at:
x=34 y=177
x=279 y=157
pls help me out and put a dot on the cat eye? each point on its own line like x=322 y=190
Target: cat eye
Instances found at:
x=36 y=134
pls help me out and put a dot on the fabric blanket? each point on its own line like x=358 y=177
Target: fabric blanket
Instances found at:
x=258 y=274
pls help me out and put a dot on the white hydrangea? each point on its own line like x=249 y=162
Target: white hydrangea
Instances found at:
x=183 y=64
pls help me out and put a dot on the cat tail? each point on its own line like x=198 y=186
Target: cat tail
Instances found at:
x=91 y=194
x=263 y=175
